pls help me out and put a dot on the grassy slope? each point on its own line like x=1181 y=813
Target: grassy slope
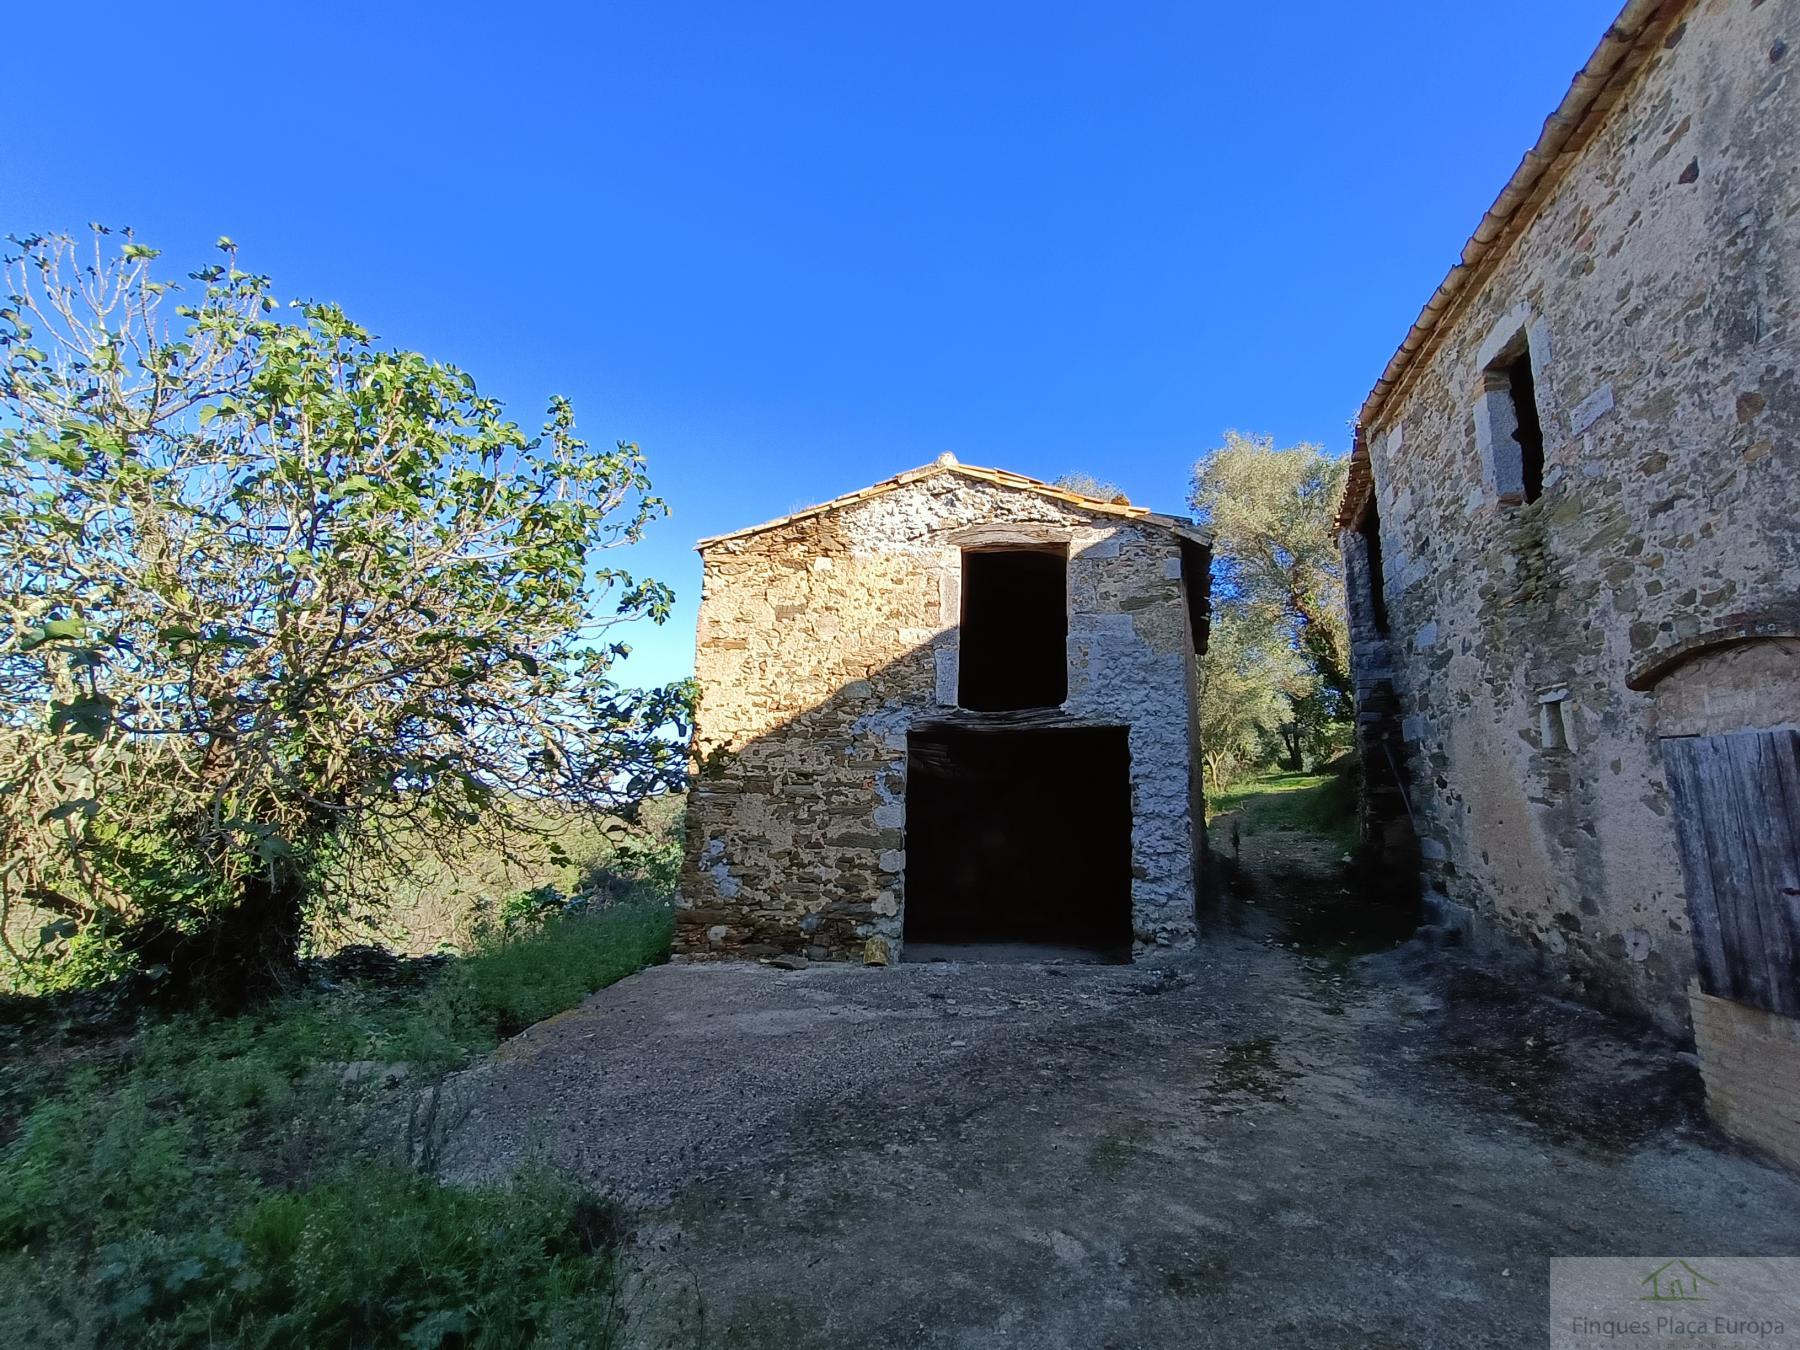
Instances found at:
x=441 y=904
x=1320 y=804
x=225 y=1182
x=439 y=901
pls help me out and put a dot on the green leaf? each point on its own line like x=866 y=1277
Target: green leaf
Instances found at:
x=89 y=716
x=55 y=630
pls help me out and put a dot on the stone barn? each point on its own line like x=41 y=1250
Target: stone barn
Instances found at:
x=1573 y=561
x=952 y=712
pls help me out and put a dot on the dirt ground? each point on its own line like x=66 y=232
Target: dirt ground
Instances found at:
x=1296 y=1134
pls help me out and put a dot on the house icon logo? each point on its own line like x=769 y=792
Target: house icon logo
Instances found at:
x=1675 y=1282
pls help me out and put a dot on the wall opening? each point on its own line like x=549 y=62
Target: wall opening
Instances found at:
x=1509 y=431
x=1553 y=723
x=1370 y=530
x=1013 y=651
x=1529 y=432
x=1196 y=589
x=1018 y=836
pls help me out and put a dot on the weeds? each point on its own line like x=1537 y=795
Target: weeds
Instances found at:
x=216 y=1181
x=516 y=981
x=383 y=1257
x=1119 y=1147
x=1250 y=1067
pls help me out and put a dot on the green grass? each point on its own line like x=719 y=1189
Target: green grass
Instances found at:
x=1317 y=804
x=383 y=1257
x=217 y=1181
x=436 y=903
x=511 y=984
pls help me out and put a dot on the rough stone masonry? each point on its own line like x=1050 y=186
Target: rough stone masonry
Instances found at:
x=826 y=637
x=1570 y=534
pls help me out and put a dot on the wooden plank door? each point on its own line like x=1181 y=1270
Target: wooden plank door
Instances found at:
x=1737 y=819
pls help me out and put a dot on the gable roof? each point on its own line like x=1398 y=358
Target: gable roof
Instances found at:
x=1597 y=89
x=947 y=463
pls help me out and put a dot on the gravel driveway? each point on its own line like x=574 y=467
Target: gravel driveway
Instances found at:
x=1258 y=1143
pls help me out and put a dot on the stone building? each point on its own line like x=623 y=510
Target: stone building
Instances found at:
x=955 y=707
x=1572 y=558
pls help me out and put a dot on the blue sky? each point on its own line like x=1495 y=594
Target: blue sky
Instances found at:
x=793 y=249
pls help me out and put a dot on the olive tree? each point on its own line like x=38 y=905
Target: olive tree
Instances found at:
x=1090 y=486
x=282 y=606
x=1245 y=681
x=1276 y=566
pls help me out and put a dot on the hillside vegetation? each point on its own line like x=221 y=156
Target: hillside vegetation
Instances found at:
x=269 y=1178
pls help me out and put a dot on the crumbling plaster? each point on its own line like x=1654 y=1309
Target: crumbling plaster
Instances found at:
x=823 y=640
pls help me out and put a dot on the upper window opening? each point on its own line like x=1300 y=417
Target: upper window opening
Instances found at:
x=1015 y=629
x=1508 y=428
x=1196 y=587
x=1370 y=530
x=1529 y=431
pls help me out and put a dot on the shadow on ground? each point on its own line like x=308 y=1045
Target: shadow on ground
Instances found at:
x=1302 y=1132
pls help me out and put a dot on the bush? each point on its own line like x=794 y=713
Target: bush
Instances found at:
x=383 y=1257
x=479 y=671
x=514 y=979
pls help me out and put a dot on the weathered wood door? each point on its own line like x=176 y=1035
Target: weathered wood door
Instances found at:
x=1737 y=816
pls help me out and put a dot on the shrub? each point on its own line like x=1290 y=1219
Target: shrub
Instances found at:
x=514 y=979
x=381 y=1257
x=213 y=1181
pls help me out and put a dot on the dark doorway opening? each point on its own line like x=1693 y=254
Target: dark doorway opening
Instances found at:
x=1015 y=629
x=1019 y=836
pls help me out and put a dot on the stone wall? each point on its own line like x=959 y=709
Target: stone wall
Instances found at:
x=1655 y=287
x=1387 y=825
x=823 y=639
